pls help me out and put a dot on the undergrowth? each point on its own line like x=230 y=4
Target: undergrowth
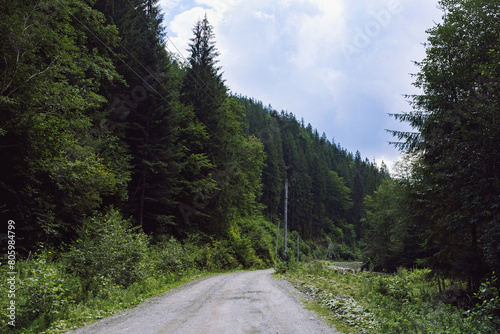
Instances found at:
x=406 y=302
x=113 y=266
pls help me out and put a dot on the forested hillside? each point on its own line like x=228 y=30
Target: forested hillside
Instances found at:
x=126 y=168
x=96 y=114
x=327 y=184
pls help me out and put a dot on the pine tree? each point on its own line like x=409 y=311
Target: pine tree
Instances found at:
x=203 y=87
x=150 y=120
x=458 y=139
x=227 y=145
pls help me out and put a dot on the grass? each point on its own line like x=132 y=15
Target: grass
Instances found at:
x=51 y=300
x=118 y=299
x=101 y=306
x=358 y=302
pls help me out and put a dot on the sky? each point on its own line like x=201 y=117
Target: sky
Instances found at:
x=342 y=65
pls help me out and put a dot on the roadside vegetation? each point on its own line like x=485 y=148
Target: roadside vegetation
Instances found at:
x=407 y=301
x=128 y=171
x=112 y=267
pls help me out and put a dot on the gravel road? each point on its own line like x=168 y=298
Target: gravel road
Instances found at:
x=244 y=302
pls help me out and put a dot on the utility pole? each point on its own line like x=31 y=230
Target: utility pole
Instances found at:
x=277 y=235
x=286 y=211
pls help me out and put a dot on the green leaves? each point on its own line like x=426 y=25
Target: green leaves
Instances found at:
x=110 y=250
x=457 y=143
x=56 y=62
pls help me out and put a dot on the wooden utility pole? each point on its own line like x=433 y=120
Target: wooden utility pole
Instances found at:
x=286 y=211
x=277 y=236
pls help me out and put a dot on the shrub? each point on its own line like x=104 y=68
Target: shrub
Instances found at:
x=44 y=291
x=109 y=251
x=242 y=248
x=487 y=309
x=260 y=234
x=173 y=259
x=216 y=256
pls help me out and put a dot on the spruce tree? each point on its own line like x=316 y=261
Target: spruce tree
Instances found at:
x=227 y=145
x=203 y=87
x=148 y=117
x=457 y=139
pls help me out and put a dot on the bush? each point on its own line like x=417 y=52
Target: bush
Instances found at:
x=172 y=259
x=283 y=267
x=242 y=248
x=109 y=252
x=43 y=291
x=217 y=255
x=260 y=234
x=487 y=308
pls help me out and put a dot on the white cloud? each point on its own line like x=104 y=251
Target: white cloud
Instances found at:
x=182 y=27
x=220 y=6
x=263 y=16
x=289 y=53
x=168 y=4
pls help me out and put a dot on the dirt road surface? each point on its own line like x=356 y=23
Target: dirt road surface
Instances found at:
x=244 y=302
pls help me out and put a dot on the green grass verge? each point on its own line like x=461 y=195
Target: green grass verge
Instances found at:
x=357 y=302
x=116 y=300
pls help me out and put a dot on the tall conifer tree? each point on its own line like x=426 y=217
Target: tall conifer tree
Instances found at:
x=458 y=138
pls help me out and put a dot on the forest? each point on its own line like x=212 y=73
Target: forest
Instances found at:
x=126 y=167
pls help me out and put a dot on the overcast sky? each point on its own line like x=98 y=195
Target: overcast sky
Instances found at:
x=342 y=65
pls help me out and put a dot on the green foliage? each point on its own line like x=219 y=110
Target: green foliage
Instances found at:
x=456 y=140
x=43 y=291
x=218 y=255
x=392 y=239
x=241 y=247
x=432 y=318
x=407 y=302
x=109 y=252
x=173 y=259
x=50 y=114
x=326 y=183
x=283 y=267
x=487 y=309
x=95 y=114
x=259 y=234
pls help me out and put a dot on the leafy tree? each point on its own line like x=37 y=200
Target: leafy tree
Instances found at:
x=458 y=140
x=392 y=236
x=58 y=161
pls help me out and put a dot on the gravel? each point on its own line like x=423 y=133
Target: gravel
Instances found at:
x=243 y=302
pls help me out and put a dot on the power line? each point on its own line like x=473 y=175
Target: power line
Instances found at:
x=145 y=68
x=206 y=90
x=120 y=58
x=200 y=80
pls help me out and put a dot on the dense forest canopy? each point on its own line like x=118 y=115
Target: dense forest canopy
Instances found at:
x=454 y=187
x=97 y=114
x=99 y=123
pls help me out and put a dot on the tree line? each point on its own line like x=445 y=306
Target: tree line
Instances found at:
x=97 y=115
x=327 y=184
x=442 y=211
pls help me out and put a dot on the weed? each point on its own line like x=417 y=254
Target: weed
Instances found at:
x=406 y=302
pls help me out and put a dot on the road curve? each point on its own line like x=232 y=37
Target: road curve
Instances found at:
x=243 y=302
